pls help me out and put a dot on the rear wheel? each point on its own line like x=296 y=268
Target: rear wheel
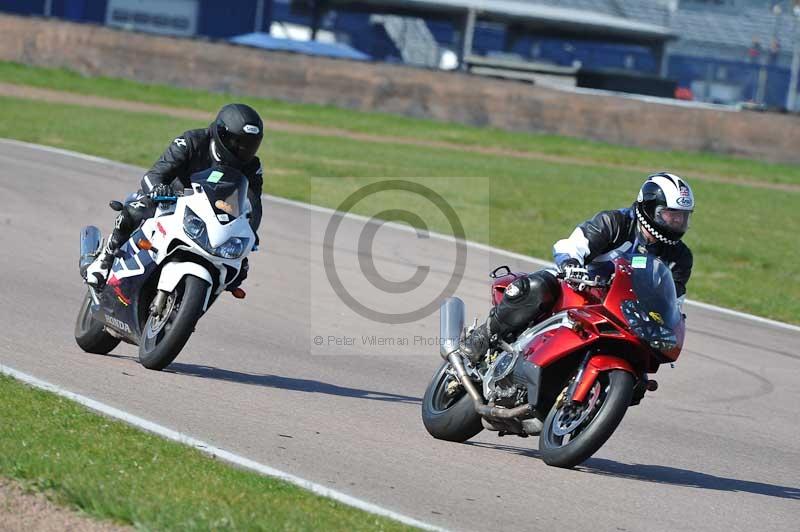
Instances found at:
x=90 y=334
x=447 y=409
x=164 y=336
x=573 y=433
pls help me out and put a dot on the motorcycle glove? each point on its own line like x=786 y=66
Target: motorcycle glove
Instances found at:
x=569 y=263
x=162 y=190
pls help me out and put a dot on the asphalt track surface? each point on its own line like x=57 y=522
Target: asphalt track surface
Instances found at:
x=716 y=448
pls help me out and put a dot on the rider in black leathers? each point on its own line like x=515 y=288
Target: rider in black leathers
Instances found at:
x=231 y=140
x=654 y=224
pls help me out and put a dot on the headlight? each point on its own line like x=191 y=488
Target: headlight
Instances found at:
x=195 y=228
x=193 y=225
x=232 y=249
x=656 y=335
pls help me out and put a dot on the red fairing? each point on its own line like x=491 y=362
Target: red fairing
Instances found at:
x=597 y=364
x=571 y=298
x=598 y=324
x=555 y=345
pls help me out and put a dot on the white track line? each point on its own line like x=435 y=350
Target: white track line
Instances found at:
x=404 y=227
x=216 y=452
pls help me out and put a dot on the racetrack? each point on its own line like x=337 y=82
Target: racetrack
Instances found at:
x=715 y=448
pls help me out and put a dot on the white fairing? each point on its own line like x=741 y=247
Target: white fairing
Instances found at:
x=172 y=273
x=166 y=233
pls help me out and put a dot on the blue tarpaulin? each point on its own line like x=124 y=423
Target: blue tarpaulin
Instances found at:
x=268 y=42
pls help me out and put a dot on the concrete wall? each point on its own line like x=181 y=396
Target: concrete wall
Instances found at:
x=95 y=50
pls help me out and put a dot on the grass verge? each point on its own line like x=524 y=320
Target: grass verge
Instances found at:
x=602 y=154
x=743 y=238
x=110 y=470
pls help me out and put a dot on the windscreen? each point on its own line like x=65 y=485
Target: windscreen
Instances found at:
x=226 y=189
x=655 y=290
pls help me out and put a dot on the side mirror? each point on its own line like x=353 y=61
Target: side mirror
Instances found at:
x=115 y=205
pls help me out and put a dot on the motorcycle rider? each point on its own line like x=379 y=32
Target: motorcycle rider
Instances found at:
x=654 y=224
x=232 y=139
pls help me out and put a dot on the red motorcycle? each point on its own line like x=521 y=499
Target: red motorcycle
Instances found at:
x=569 y=378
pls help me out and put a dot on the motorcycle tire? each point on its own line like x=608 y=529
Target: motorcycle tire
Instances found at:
x=616 y=392
x=90 y=334
x=449 y=418
x=161 y=342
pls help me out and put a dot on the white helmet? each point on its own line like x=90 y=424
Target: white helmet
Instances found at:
x=664 y=206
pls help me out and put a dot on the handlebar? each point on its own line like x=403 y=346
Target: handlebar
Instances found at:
x=165 y=199
x=579 y=278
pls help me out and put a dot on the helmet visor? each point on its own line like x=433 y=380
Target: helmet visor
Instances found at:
x=673 y=219
x=243 y=146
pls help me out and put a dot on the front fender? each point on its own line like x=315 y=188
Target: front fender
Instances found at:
x=596 y=365
x=172 y=273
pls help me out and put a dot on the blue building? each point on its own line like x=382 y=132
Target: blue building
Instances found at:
x=726 y=51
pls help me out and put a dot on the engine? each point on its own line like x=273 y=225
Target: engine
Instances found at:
x=498 y=381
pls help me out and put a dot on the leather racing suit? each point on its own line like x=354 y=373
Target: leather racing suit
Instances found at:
x=186 y=155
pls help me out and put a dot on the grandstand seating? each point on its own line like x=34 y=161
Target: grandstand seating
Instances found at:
x=729 y=32
x=713 y=42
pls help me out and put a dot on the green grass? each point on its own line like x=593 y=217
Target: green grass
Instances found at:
x=598 y=153
x=743 y=238
x=110 y=470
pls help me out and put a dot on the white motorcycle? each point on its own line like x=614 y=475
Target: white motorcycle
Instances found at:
x=170 y=271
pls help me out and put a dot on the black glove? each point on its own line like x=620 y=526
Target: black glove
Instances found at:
x=161 y=190
x=569 y=263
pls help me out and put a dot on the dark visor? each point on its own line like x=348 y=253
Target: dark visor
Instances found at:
x=243 y=146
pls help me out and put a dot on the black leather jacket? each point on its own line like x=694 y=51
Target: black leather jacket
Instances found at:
x=190 y=153
x=616 y=230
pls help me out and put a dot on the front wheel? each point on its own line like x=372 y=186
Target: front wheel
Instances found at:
x=447 y=409
x=573 y=433
x=90 y=334
x=163 y=337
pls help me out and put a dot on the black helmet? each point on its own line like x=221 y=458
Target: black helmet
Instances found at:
x=663 y=207
x=237 y=134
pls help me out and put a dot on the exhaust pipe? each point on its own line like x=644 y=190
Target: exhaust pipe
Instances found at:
x=451 y=325
x=91 y=240
x=484 y=410
x=498 y=412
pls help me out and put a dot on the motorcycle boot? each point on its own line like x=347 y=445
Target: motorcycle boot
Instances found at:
x=480 y=339
x=477 y=343
x=130 y=216
x=97 y=272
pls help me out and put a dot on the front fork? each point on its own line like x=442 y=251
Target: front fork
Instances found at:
x=157 y=307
